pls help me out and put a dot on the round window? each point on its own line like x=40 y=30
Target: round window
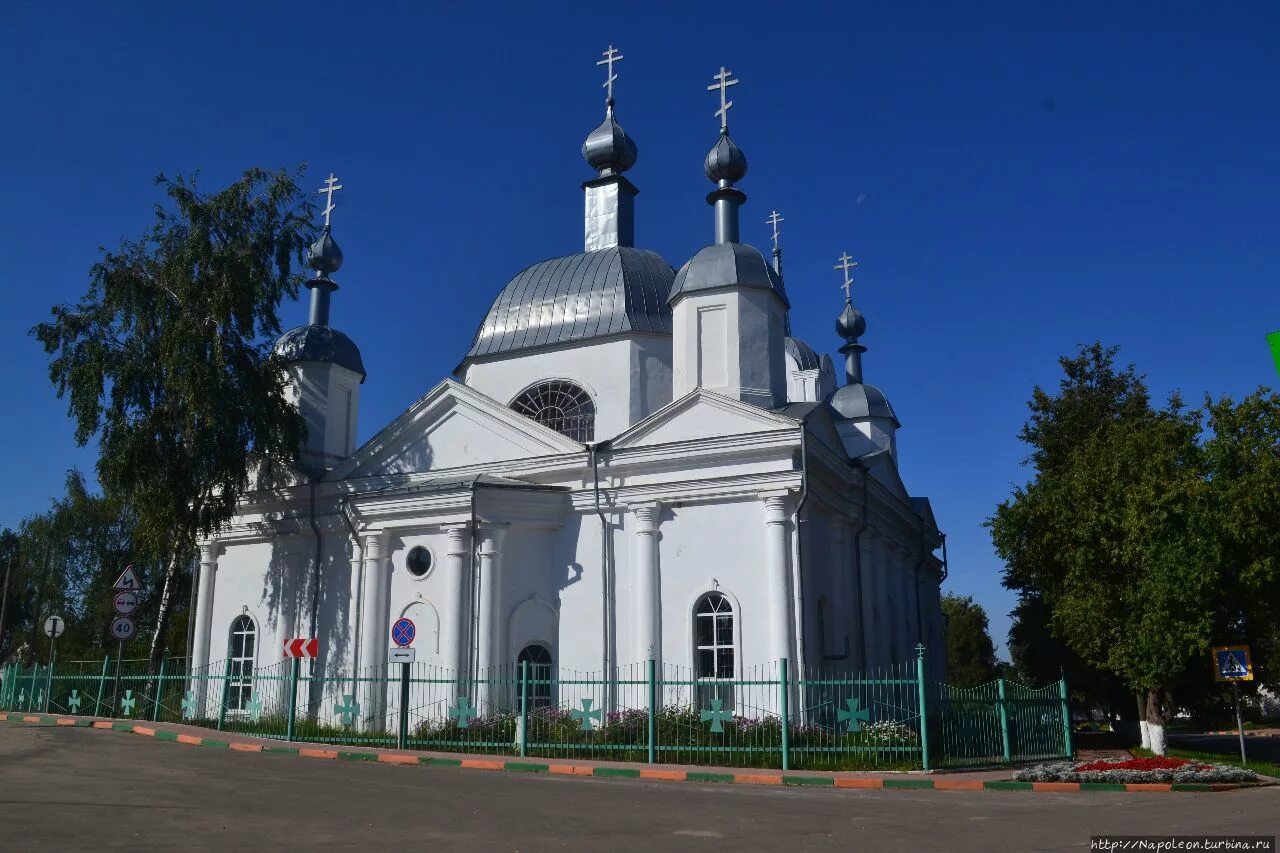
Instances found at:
x=418 y=562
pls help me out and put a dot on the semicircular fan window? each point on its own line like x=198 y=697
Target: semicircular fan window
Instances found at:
x=560 y=405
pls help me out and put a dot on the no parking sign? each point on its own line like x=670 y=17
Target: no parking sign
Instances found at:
x=403 y=632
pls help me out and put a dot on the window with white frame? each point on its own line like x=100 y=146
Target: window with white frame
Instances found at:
x=540 y=673
x=714 y=663
x=244 y=635
x=560 y=405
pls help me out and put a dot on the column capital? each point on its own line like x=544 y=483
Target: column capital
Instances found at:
x=648 y=516
x=209 y=552
x=490 y=534
x=777 y=506
x=374 y=541
x=459 y=538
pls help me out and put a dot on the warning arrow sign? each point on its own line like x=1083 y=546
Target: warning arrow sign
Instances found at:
x=302 y=647
x=128 y=580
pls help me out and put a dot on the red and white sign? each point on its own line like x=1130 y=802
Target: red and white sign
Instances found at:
x=128 y=579
x=126 y=603
x=302 y=648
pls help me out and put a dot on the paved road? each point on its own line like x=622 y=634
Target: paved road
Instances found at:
x=78 y=789
x=1265 y=748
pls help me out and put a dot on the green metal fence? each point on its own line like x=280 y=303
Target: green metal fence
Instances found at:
x=769 y=716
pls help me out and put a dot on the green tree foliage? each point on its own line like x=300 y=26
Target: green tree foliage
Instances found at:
x=971 y=656
x=165 y=362
x=1137 y=533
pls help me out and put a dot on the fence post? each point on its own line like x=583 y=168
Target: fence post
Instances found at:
x=924 y=707
x=155 y=710
x=48 y=682
x=651 y=676
x=222 y=704
x=293 y=701
x=524 y=708
x=1066 y=715
x=102 y=682
x=1004 y=720
x=785 y=684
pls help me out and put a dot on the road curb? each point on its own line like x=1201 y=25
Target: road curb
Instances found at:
x=656 y=774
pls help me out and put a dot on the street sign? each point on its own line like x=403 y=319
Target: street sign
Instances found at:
x=302 y=647
x=54 y=626
x=1231 y=663
x=402 y=654
x=122 y=628
x=128 y=580
x=125 y=603
x=403 y=632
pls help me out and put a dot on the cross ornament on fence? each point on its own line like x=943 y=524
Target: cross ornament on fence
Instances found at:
x=73 y=702
x=22 y=696
x=855 y=716
x=127 y=703
x=348 y=710
x=189 y=705
x=716 y=716
x=40 y=699
x=586 y=714
x=254 y=707
x=463 y=712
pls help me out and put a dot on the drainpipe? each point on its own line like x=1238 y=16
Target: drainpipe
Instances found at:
x=606 y=577
x=344 y=505
x=857 y=567
x=473 y=591
x=797 y=582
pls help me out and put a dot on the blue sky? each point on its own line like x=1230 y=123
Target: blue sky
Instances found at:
x=1015 y=179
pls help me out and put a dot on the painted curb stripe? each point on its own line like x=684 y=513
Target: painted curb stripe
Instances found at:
x=1148 y=786
x=482 y=764
x=1008 y=785
x=216 y=744
x=145 y=731
x=569 y=770
x=756 y=779
x=358 y=756
x=864 y=784
x=957 y=785
x=1191 y=786
x=280 y=750
x=1055 y=786
x=1101 y=786
x=909 y=783
x=616 y=772
x=317 y=753
x=247 y=747
x=697 y=776
x=439 y=762
x=812 y=781
x=668 y=775
x=525 y=767
x=398 y=759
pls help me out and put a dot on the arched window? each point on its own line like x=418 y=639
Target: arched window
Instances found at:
x=539 y=686
x=713 y=648
x=241 y=653
x=560 y=405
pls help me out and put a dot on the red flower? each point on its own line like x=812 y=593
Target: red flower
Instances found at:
x=1156 y=763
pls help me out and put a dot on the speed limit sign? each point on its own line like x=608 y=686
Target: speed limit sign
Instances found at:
x=122 y=628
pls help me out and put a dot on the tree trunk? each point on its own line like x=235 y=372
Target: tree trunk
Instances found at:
x=1155 y=722
x=1142 y=720
x=162 y=616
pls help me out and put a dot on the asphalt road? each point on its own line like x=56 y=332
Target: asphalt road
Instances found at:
x=1264 y=748
x=79 y=789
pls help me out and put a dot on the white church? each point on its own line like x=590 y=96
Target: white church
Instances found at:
x=631 y=462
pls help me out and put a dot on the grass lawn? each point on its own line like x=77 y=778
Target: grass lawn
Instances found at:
x=1262 y=768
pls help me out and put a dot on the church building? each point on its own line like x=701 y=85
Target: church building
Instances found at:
x=631 y=462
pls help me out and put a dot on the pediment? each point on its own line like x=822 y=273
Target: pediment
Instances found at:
x=452 y=426
x=701 y=414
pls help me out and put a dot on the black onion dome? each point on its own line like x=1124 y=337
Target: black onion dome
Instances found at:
x=725 y=161
x=324 y=256
x=320 y=343
x=608 y=149
x=859 y=401
x=727 y=265
x=850 y=323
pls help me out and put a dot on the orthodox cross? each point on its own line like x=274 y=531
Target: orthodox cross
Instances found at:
x=330 y=187
x=846 y=264
x=610 y=56
x=723 y=82
x=773 y=220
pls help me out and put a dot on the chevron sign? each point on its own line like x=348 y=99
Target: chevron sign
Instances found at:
x=302 y=648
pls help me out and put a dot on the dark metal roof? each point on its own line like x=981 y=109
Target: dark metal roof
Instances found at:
x=608 y=149
x=803 y=354
x=320 y=343
x=859 y=400
x=728 y=265
x=577 y=298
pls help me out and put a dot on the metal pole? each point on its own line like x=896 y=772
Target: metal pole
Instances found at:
x=924 y=707
x=291 y=723
x=1066 y=716
x=1004 y=720
x=4 y=597
x=222 y=705
x=102 y=681
x=48 y=679
x=1235 y=688
x=155 y=711
x=115 y=688
x=653 y=710
x=403 y=734
x=524 y=708
x=785 y=684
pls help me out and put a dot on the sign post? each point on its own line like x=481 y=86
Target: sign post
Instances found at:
x=403 y=633
x=54 y=626
x=295 y=649
x=122 y=627
x=1232 y=663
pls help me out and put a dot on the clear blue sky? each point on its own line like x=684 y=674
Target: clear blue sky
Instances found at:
x=1014 y=178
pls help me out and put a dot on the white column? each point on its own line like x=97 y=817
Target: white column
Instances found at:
x=204 y=620
x=777 y=575
x=488 y=643
x=455 y=593
x=648 y=589
x=373 y=634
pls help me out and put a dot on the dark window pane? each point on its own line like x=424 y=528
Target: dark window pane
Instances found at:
x=706 y=636
x=248 y=646
x=725 y=663
x=706 y=663
x=724 y=630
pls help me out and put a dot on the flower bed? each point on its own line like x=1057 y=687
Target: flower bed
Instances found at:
x=1132 y=770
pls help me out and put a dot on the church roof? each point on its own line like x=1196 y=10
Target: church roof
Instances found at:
x=577 y=298
x=859 y=400
x=320 y=343
x=803 y=354
x=728 y=265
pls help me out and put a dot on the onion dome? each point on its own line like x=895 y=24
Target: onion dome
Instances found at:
x=608 y=149
x=320 y=344
x=850 y=324
x=727 y=265
x=860 y=401
x=725 y=161
x=324 y=256
x=801 y=353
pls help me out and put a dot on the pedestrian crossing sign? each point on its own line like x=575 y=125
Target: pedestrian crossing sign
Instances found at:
x=1231 y=663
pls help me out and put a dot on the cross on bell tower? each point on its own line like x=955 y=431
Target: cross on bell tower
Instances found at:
x=846 y=265
x=610 y=56
x=330 y=187
x=723 y=80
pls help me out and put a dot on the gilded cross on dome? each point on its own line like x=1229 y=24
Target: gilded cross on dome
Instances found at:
x=330 y=187
x=610 y=56
x=846 y=265
x=723 y=81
